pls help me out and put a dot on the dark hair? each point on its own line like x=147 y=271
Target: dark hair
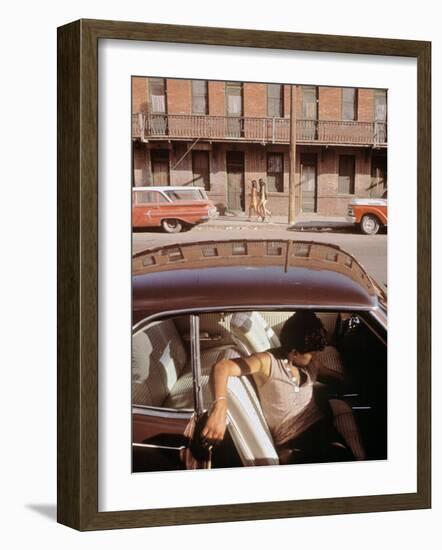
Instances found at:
x=253 y=183
x=303 y=332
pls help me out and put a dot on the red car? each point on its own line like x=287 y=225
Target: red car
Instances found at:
x=369 y=214
x=172 y=208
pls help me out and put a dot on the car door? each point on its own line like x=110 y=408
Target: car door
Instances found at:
x=159 y=440
x=146 y=208
x=163 y=436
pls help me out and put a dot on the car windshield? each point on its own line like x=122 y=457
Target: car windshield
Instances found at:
x=185 y=194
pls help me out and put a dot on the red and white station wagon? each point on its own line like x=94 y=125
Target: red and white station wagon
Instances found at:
x=173 y=207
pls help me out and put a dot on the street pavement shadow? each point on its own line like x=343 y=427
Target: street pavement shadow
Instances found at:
x=329 y=226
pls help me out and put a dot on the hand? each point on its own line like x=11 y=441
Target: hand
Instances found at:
x=215 y=428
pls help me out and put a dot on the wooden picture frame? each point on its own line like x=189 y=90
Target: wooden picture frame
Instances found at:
x=78 y=273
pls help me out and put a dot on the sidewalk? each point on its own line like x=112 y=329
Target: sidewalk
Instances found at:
x=304 y=222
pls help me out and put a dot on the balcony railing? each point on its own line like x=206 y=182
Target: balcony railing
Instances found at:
x=254 y=129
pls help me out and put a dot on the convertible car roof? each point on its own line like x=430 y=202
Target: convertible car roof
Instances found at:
x=244 y=273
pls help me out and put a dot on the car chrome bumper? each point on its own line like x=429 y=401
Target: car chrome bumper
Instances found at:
x=351 y=219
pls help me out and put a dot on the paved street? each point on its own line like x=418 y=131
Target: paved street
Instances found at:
x=371 y=251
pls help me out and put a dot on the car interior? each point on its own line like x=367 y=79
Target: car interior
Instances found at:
x=353 y=371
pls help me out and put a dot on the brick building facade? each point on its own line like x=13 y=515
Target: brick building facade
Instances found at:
x=223 y=135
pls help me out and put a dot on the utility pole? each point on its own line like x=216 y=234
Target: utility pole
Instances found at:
x=292 y=178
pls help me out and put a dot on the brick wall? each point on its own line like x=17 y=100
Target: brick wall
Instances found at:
x=217 y=104
x=365 y=105
x=255 y=100
x=179 y=97
x=330 y=103
x=139 y=95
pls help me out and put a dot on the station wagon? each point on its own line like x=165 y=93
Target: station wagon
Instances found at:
x=173 y=208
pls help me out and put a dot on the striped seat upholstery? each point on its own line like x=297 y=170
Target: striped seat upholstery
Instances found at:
x=329 y=321
x=181 y=396
x=345 y=423
x=251 y=332
x=158 y=359
x=331 y=367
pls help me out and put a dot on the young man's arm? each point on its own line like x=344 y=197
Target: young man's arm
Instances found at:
x=214 y=430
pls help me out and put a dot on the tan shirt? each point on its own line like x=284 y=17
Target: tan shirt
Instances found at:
x=289 y=409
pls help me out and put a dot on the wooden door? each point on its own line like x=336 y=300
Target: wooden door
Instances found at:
x=235 y=181
x=200 y=169
x=308 y=184
x=160 y=167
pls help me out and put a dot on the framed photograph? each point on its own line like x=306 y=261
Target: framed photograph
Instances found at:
x=234 y=208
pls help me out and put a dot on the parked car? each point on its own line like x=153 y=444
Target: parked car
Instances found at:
x=197 y=303
x=369 y=214
x=172 y=208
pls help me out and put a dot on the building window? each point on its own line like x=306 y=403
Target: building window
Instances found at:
x=200 y=169
x=275 y=100
x=349 y=104
x=160 y=166
x=234 y=109
x=380 y=105
x=275 y=172
x=200 y=104
x=234 y=99
x=157 y=87
x=346 y=181
x=309 y=102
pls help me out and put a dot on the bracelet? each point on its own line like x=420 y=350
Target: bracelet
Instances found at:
x=215 y=400
x=219 y=399
x=213 y=404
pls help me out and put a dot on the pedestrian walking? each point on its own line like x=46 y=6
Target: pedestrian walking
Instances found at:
x=262 y=209
x=253 y=204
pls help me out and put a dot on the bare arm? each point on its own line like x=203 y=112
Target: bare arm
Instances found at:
x=215 y=427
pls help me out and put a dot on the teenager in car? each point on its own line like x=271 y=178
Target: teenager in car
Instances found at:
x=299 y=416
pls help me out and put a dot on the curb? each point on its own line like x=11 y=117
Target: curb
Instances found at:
x=264 y=226
x=239 y=225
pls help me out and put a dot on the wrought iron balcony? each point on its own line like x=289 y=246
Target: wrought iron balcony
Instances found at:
x=257 y=130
